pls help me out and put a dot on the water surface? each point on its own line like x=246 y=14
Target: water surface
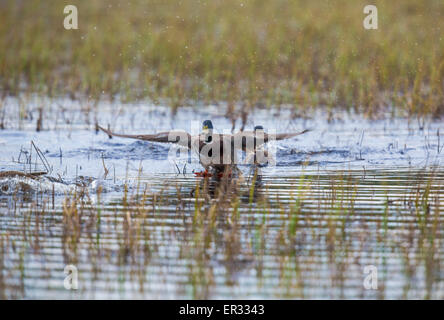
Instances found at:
x=349 y=194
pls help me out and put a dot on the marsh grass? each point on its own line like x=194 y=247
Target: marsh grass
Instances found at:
x=251 y=53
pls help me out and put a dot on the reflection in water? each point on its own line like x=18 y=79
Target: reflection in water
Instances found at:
x=233 y=182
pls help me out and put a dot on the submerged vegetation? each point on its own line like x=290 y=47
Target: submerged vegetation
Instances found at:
x=306 y=54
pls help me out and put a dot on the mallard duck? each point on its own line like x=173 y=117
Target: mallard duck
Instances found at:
x=212 y=147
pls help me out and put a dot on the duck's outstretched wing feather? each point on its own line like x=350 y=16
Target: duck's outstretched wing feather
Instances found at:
x=283 y=136
x=177 y=136
x=250 y=140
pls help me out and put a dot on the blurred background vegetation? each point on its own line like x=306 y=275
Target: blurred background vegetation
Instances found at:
x=306 y=54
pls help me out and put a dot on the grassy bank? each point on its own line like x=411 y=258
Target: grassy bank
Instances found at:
x=250 y=52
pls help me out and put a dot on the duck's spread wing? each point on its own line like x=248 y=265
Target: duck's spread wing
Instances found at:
x=250 y=140
x=177 y=136
x=283 y=136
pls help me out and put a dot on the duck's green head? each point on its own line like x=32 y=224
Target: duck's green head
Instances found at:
x=207 y=125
